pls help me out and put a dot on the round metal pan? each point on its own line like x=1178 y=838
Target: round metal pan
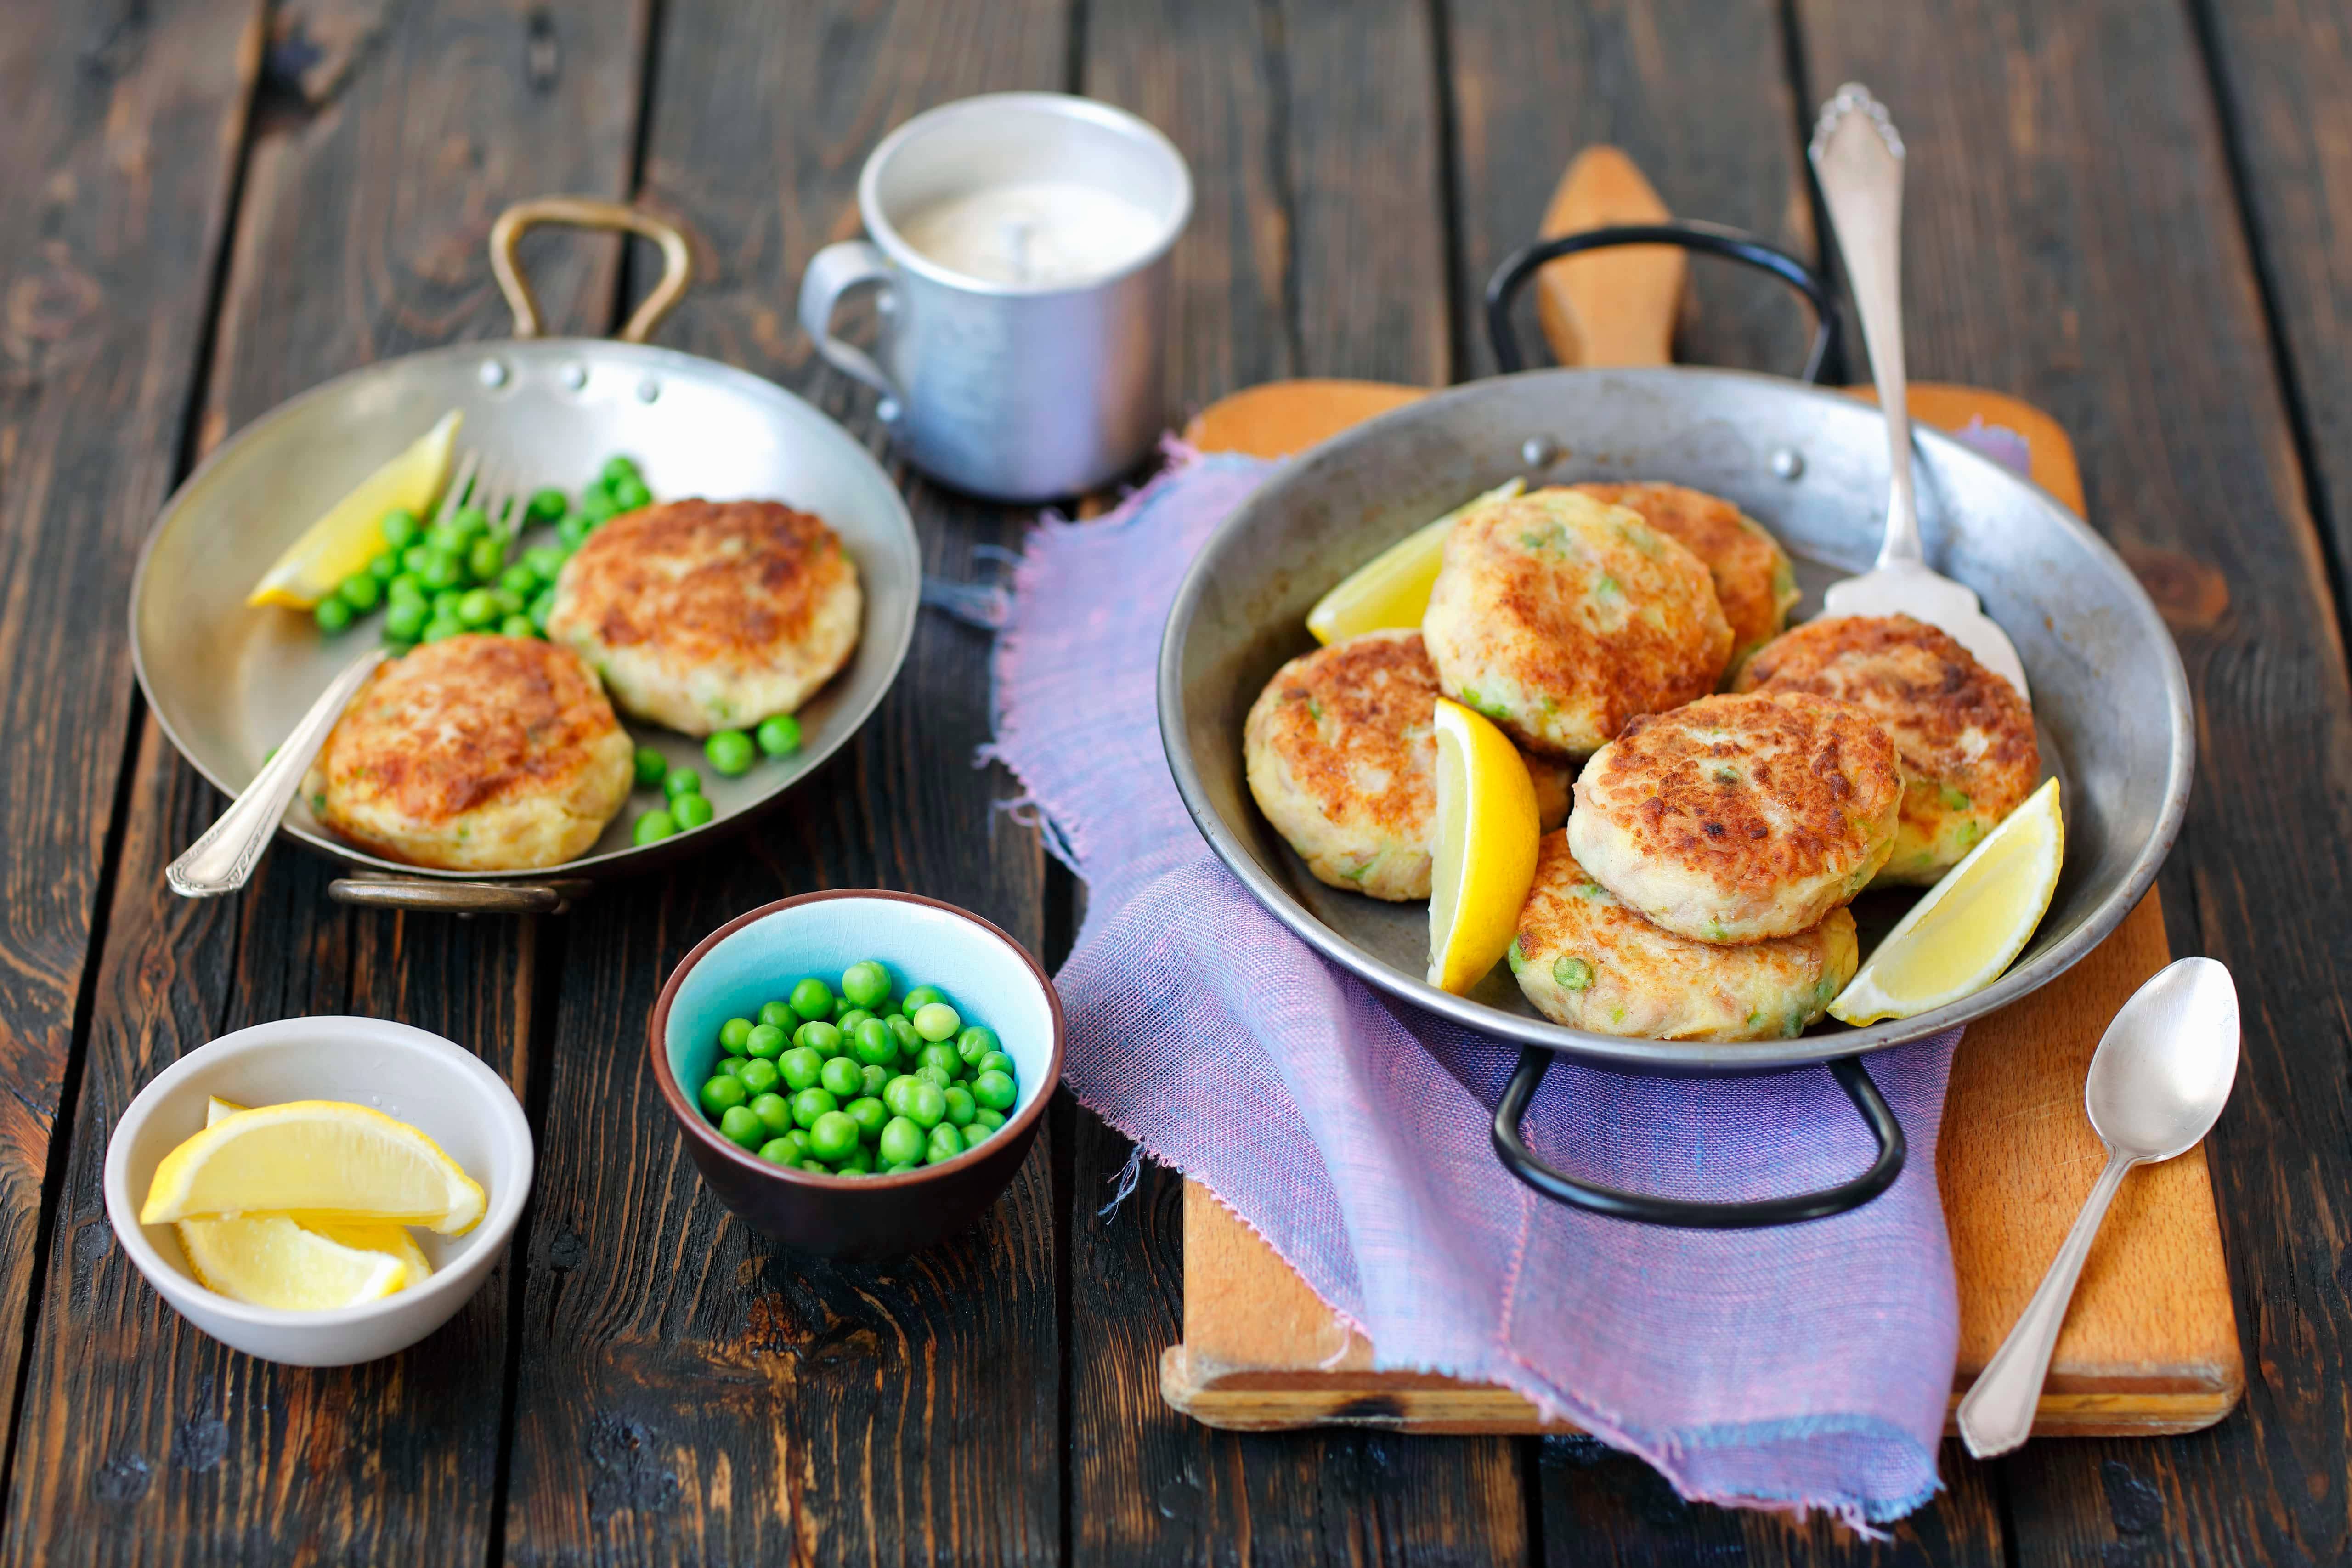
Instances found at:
x=227 y=681
x=2111 y=701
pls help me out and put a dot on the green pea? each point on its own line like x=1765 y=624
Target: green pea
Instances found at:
x=840 y=1005
x=521 y=627
x=399 y=527
x=740 y=1124
x=937 y=1021
x=901 y=1142
x=691 y=810
x=653 y=827
x=405 y=589
x=870 y=1113
x=775 y=1112
x=847 y=1022
x=733 y=1033
x=779 y=736
x=617 y=467
x=631 y=494
x=764 y=1040
x=930 y=1073
x=872 y=1041
x=798 y=1141
x=800 y=1066
x=359 y=590
x=995 y=1061
x=942 y=1057
x=487 y=558
x=866 y=983
x=547 y=505
x=471 y=519
x=833 y=1136
x=811 y=1103
x=921 y=997
x=544 y=562
x=976 y=1129
x=651 y=766
x=908 y=1041
x=781 y=1014
x=383 y=568
x=875 y=1077
x=826 y=1040
x=520 y=581
x=435 y=631
x=681 y=780
x=405 y=618
x=859 y=1164
x=778 y=1151
x=477 y=608
x=841 y=1078
x=444 y=604
x=812 y=998
x=994 y=1089
x=596 y=508
x=926 y=1104
x=961 y=1107
x=413 y=559
x=449 y=539
x=987 y=1117
x=944 y=1144
x=722 y=1092
x=542 y=608
x=730 y=1065
x=759 y=1075
x=894 y=1093
x=730 y=753
x=573 y=530
x=333 y=615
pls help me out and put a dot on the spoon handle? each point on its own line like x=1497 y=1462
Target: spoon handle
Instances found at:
x=1998 y=1410
x=1857 y=156
x=222 y=861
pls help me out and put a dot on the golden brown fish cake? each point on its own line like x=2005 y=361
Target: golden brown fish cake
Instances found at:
x=1588 y=960
x=1964 y=733
x=1341 y=754
x=1737 y=818
x=474 y=753
x=1754 y=579
x=708 y=615
x=1559 y=617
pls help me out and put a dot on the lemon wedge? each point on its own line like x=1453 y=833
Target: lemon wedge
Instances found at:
x=1969 y=927
x=268 y=1261
x=1391 y=591
x=318 y=1159
x=1485 y=859
x=347 y=537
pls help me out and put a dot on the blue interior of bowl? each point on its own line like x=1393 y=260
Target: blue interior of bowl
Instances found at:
x=987 y=979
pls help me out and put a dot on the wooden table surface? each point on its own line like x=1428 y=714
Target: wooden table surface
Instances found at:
x=2137 y=214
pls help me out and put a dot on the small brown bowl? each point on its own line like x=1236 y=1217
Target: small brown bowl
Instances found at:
x=757 y=957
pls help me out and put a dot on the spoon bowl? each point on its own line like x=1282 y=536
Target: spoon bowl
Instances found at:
x=2163 y=1070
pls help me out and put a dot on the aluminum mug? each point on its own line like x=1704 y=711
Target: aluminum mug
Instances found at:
x=1012 y=393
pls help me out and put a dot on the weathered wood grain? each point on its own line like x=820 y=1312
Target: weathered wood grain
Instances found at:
x=689 y=1392
x=360 y=235
x=2071 y=237
x=118 y=140
x=1694 y=90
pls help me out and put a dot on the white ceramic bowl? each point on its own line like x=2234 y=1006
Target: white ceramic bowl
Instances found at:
x=406 y=1073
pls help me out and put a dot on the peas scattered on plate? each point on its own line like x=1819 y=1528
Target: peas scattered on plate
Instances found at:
x=852 y=1080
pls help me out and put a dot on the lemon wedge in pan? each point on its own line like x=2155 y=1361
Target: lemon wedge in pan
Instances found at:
x=1485 y=859
x=318 y=1159
x=1969 y=927
x=347 y=537
x=1391 y=591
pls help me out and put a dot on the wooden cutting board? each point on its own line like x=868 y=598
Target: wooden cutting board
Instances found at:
x=2151 y=1345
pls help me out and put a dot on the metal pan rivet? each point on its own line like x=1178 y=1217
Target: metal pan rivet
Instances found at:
x=1787 y=463
x=886 y=411
x=493 y=373
x=575 y=375
x=1537 y=451
x=648 y=389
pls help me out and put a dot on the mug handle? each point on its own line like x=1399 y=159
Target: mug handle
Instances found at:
x=832 y=273
x=586 y=212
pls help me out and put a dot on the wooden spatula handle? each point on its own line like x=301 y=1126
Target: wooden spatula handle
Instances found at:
x=1612 y=306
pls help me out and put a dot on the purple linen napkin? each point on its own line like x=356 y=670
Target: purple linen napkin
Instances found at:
x=1795 y=1368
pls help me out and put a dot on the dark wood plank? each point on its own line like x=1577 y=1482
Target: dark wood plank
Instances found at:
x=2071 y=237
x=1695 y=91
x=691 y=1393
x=360 y=235
x=1317 y=248
x=119 y=142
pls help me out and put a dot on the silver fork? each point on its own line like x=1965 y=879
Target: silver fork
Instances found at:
x=223 y=859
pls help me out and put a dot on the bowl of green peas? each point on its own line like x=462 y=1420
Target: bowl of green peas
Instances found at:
x=857 y=1073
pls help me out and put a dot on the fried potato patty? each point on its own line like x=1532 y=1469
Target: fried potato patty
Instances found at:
x=1559 y=617
x=1341 y=754
x=1964 y=733
x=1739 y=818
x=1586 y=960
x=1754 y=581
x=474 y=753
x=708 y=615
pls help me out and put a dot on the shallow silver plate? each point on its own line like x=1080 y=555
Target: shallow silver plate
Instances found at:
x=2111 y=702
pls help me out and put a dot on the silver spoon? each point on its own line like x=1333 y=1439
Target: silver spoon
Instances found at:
x=1857 y=156
x=2157 y=1083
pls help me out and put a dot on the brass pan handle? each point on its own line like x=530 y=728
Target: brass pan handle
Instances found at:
x=375 y=890
x=586 y=212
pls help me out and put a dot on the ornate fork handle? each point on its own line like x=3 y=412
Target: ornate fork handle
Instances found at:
x=222 y=861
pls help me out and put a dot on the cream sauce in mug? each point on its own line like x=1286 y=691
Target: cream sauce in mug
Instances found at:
x=1043 y=234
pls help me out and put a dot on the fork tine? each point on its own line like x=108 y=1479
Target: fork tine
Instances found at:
x=454 y=496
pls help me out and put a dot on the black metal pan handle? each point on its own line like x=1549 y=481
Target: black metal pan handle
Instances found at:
x=1712 y=239
x=1688 y=1214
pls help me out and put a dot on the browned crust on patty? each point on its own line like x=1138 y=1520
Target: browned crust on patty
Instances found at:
x=1367 y=705
x=455 y=725
x=1748 y=568
x=721 y=583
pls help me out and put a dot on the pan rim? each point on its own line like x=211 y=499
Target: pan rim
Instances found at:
x=614 y=861
x=1669 y=1057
